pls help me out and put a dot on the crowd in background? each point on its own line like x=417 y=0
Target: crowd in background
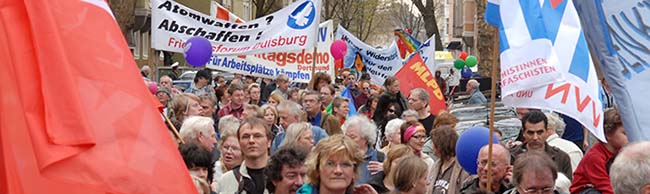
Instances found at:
x=260 y=135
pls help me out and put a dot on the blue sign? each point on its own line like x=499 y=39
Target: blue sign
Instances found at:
x=303 y=16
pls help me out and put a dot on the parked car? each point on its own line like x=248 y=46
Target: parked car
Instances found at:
x=185 y=80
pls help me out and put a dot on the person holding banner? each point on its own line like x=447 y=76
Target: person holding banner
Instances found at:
x=391 y=95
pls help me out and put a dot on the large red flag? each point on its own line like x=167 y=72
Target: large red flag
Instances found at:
x=75 y=116
x=415 y=74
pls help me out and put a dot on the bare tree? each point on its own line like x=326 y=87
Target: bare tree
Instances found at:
x=402 y=16
x=430 y=23
x=329 y=8
x=124 y=14
x=265 y=7
x=488 y=44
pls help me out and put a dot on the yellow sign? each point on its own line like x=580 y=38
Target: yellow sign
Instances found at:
x=444 y=55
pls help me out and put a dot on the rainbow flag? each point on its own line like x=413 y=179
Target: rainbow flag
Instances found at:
x=406 y=43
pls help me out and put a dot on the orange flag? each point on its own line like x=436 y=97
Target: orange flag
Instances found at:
x=415 y=74
x=75 y=116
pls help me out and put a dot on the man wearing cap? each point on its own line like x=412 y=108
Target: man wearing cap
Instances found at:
x=175 y=72
x=164 y=96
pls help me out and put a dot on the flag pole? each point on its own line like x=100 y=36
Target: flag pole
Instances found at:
x=493 y=93
x=172 y=128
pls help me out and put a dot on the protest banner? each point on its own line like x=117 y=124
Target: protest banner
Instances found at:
x=555 y=28
x=291 y=28
x=379 y=63
x=297 y=65
x=428 y=53
x=415 y=74
x=87 y=124
x=612 y=30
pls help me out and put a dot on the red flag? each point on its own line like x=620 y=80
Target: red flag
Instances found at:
x=75 y=116
x=415 y=74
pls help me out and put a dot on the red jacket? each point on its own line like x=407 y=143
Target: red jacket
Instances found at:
x=592 y=170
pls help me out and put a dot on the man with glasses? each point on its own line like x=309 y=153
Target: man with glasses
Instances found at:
x=534 y=173
x=535 y=126
x=501 y=172
x=255 y=140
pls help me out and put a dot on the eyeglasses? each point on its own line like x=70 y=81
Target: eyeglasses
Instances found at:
x=542 y=191
x=391 y=110
x=419 y=137
x=484 y=163
x=231 y=149
x=343 y=165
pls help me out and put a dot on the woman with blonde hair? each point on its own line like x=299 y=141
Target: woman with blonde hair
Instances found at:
x=382 y=182
x=185 y=105
x=299 y=135
x=332 y=166
x=411 y=176
x=270 y=115
x=231 y=155
x=275 y=99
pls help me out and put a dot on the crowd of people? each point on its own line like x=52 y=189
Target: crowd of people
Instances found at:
x=259 y=135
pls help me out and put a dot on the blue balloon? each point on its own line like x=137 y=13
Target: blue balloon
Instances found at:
x=469 y=144
x=466 y=72
x=198 y=51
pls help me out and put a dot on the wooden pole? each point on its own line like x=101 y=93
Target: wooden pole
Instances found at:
x=493 y=94
x=173 y=129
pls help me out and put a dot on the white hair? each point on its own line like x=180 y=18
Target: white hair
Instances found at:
x=556 y=123
x=294 y=109
x=194 y=125
x=229 y=125
x=410 y=113
x=473 y=83
x=367 y=129
x=630 y=172
x=393 y=126
x=294 y=132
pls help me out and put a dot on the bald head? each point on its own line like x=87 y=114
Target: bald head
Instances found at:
x=499 y=153
x=630 y=172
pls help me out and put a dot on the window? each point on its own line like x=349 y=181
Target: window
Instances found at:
x=138 y=44
x=246 y=12
x=145 y=45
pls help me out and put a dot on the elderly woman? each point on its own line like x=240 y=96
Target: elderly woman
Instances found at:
x=392 y=134
x=299 y=135
x=340 y=108
x=231 y=155
x=413 y=134
x=448 y=176
x=271 y=117
x=382 y=182
x=364 y=133
x=411 y=176
x=332 y=166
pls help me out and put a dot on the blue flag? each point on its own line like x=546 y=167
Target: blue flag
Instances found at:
x=618 y=32
x=539 y=40
x=348 y=94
